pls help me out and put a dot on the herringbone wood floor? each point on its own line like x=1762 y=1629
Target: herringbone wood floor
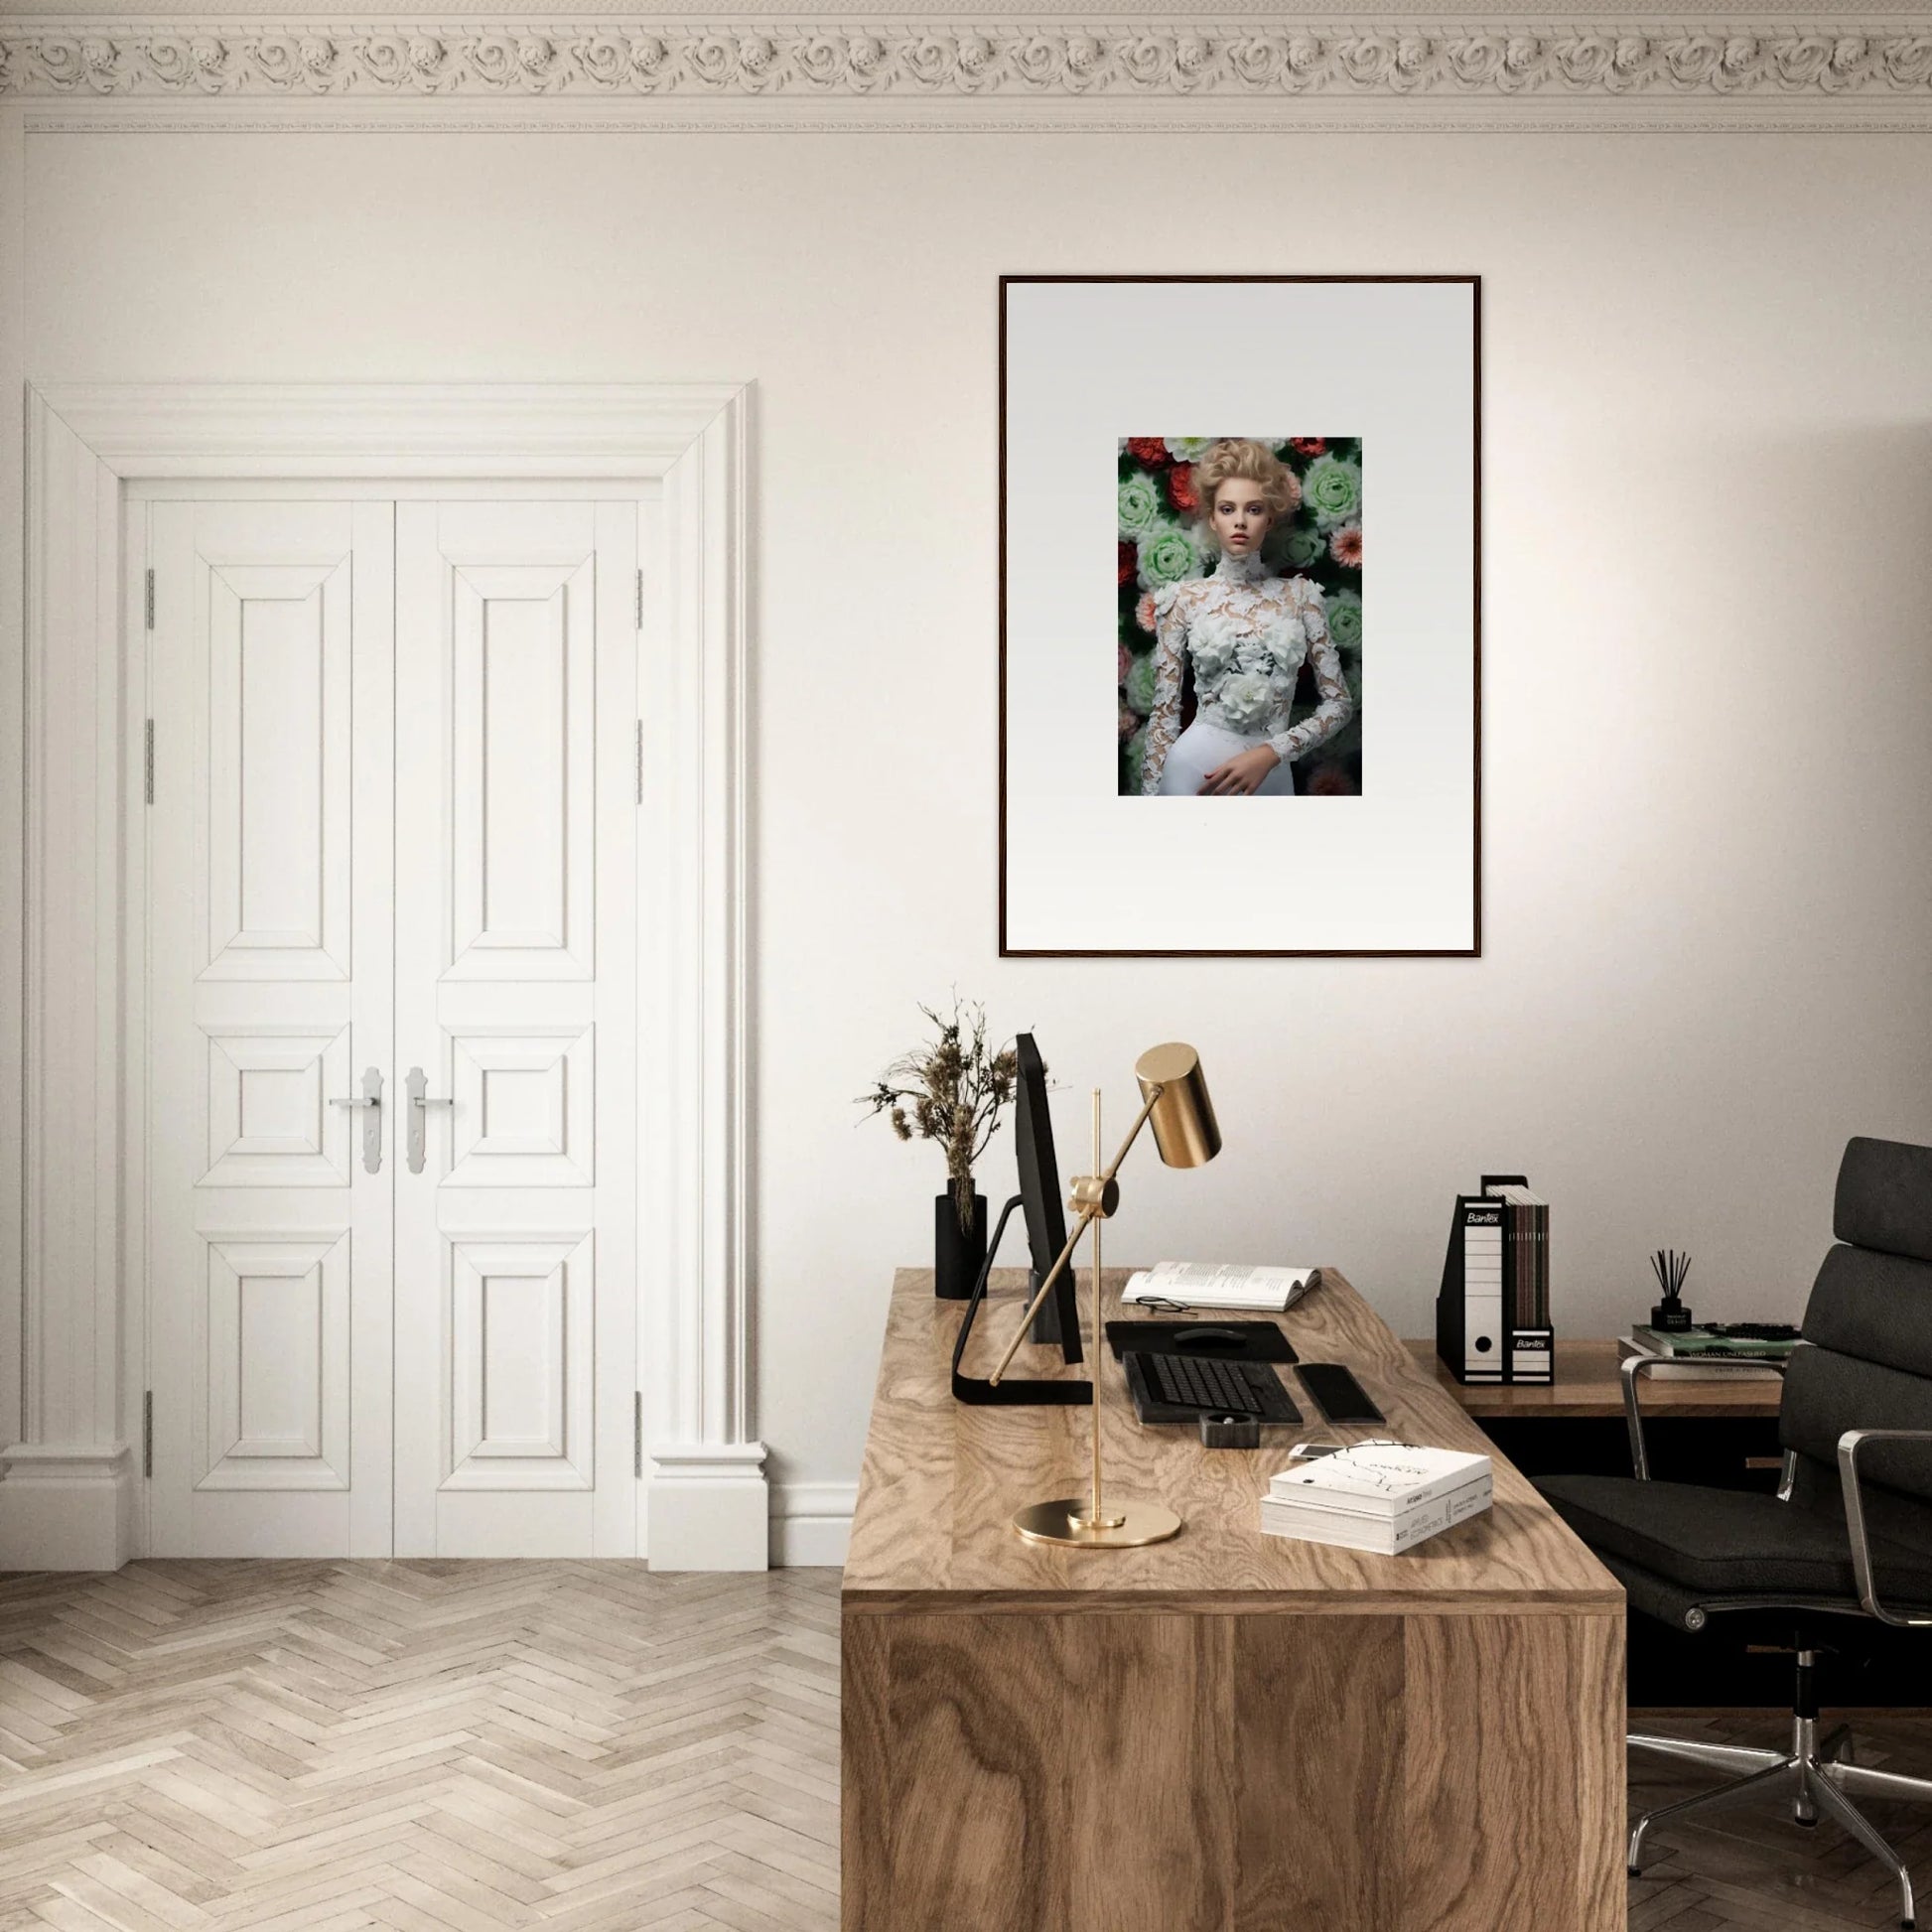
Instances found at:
x=462 y=1746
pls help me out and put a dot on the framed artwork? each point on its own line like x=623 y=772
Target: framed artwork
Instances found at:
x=1284 y=758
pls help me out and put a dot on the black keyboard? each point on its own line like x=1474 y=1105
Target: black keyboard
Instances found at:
x=1205 y=1386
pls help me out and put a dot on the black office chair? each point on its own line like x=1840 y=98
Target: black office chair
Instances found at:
x=1849 y=1536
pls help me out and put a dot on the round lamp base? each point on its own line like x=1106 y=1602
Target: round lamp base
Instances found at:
x=1061 y=1521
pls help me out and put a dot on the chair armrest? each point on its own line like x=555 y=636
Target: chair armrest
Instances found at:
x=1848 y=1446
x=1634 y=1366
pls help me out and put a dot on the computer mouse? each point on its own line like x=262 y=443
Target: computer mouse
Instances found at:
x=1208 y=1337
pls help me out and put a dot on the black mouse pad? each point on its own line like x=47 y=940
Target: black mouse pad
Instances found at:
x=1222 y=1342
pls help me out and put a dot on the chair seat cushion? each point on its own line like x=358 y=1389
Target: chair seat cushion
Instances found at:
x=1730 y=1541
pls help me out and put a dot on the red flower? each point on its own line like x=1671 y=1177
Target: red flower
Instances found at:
x=1345 y=546
x=1148 y=449
x=1308 y=445
x=1181 y=492
x=1125 y=564
x=1330 y=781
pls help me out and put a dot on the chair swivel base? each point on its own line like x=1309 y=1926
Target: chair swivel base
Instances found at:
x=1818 y=1775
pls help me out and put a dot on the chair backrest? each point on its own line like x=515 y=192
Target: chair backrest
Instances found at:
x=1869 y=1325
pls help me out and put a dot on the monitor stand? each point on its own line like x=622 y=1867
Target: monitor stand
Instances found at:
x=1011 y=1391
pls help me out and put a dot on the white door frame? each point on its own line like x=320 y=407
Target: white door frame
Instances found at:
x=72 y=1459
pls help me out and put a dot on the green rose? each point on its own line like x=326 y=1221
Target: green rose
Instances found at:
x=1332 y=490
x=1345 y=619
x=1302 y=547
x=1139 y=683
x=1131 y=756
x=1167 y=556
x=1140 y=504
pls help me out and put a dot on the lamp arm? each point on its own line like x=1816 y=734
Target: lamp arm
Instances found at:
x=1052 y=1275
x=1133 y=1133
x=1087 y=1217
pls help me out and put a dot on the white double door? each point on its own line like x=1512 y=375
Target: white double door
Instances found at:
x=391 y=859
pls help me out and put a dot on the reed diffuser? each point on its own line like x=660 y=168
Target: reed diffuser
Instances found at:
x=1670 y=1268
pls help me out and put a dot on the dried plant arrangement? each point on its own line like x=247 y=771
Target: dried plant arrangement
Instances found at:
x=951 y=1091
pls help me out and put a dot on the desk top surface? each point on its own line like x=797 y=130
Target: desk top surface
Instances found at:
x=941 y=1478
x=1588 y=1384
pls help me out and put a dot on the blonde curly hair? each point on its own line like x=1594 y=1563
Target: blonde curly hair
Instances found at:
x=1256 y=463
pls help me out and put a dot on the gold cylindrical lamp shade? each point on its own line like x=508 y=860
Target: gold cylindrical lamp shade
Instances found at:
x=1183 y=1118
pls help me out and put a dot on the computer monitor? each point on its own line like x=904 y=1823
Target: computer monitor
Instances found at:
x=1039 y=1195
x=1038 y=1199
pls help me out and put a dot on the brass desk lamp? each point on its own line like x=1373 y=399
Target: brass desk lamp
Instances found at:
x=1176 y=1100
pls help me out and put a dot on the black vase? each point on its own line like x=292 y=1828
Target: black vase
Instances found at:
x=958 y=1258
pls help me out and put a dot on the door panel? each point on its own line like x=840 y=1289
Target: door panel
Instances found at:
x=515 y=991
x=270 y=893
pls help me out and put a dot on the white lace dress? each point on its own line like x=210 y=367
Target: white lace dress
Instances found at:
x=1248 y=634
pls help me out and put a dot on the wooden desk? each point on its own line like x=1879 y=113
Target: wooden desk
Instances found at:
x=1588 y=1384
x=1226 y=1732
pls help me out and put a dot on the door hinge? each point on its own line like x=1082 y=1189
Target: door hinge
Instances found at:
x=637 y=1433
x=149 y=595
x=147 y=760
x=641 y=598
x=147 y=1433
x=641 y=761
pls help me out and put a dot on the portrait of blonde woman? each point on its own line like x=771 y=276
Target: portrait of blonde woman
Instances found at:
x=1233 y=628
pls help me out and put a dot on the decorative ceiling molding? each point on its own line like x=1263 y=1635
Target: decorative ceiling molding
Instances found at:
x=1829 y=73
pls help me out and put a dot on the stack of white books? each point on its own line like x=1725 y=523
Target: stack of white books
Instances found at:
x=1381 y=1496
x=1218 y=1285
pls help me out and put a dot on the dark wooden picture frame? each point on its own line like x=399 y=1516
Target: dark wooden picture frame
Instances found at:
x=1475 y=948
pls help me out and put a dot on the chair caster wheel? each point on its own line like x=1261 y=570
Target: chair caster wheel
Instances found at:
x=1809 y=1824
x=1634 y=1871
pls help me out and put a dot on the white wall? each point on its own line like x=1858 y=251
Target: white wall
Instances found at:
x=1707 y=649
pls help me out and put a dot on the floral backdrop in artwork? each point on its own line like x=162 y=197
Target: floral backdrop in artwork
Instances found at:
x=1160 y=543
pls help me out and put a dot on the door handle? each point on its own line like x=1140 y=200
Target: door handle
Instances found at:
x=420 y=1103
x=371 y=1098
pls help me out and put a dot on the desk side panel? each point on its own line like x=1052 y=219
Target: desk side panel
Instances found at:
x=1514 y=1774
x=1146 y=1772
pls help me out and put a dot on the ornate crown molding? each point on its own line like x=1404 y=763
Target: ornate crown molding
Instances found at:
x=1882 y=72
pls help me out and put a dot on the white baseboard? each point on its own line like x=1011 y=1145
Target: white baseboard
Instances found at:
x=811 y=1523
x=64 y=1507
x=708 y=1507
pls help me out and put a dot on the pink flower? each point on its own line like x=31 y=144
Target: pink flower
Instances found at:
x=1123 y=661
x=1130 y=723
x=1144 y=613
x=1345 y=546
x=1308 y=445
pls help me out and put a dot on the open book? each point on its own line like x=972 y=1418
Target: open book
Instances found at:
x=1213 y=1284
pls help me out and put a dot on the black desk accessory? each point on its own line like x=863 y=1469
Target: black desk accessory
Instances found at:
x=1180 y=1388
x=1230 y=1432
x=1228 y=1341
x=1670 y=1315
x=1337 y=1393
x=1011 y=1391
